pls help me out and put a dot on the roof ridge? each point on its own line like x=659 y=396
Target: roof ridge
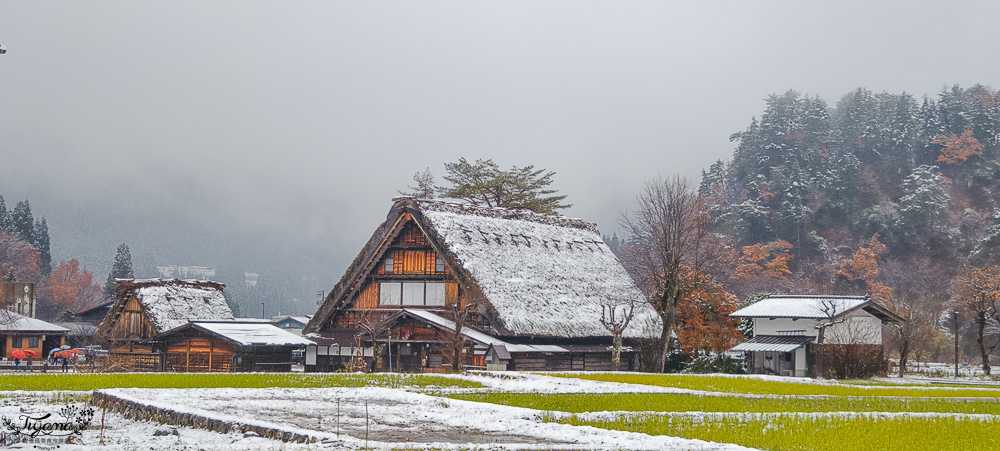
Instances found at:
x=521 y=214
x=816 y=296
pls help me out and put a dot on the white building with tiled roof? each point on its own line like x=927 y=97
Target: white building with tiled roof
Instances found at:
x=785 y=328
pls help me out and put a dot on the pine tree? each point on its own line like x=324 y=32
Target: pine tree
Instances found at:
x=925 y=198
x=121 y=269
x=424 y=188
x=483 y=183
x=23 y=223
x=42 y=243
x=5 y=223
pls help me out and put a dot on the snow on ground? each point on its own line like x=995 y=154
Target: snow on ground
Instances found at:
x=397 y=419
x=123 y=434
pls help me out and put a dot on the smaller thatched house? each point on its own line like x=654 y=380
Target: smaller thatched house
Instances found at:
x=144 y=308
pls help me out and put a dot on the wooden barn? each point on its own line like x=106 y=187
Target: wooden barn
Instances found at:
x=227 y=346
x=144 y=308
x=525 y=290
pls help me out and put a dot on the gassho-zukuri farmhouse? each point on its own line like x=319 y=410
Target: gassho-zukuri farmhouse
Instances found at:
x=525 y=290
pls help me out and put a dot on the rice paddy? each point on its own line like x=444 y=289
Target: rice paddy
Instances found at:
x=820 y=433
x=758 y=386
x=649 y=402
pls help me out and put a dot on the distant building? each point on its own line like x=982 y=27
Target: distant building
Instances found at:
x=250 y=278
x=18 y=297
x=186 y=272
x=786 y=334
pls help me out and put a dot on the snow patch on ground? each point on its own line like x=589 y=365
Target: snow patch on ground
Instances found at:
x=397 y=419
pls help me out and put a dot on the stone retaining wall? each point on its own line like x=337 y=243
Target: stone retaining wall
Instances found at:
x=140 y=412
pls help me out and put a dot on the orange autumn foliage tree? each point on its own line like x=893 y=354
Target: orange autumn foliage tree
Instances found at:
x=863 y=267
x=703 y=317
x=71 y=288
x=765 y=259
x=957 y=148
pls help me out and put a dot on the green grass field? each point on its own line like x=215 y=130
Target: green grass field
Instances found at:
x=819 y=434
x=757 y=386
x=86 y=382
x=637 y=402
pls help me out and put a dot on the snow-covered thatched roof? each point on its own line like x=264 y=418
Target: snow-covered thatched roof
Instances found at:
x=170 y=303
x=812 y=307
x=540 y=275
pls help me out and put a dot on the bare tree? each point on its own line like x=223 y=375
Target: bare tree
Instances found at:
x=980 y=289
x=671 y=231
x=917 y=298
x=376 y=325
x=615 y=318
x=830 y=310
x=852 y=350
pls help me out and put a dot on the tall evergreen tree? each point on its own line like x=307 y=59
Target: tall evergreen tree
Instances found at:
x=23 y=223
x=925 y=198
x=42 y=243
x=5 y=224
x=121 y=269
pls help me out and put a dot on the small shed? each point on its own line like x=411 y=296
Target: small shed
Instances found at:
x=227 y=346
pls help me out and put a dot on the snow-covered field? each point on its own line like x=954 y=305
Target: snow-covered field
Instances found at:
x=381 y=418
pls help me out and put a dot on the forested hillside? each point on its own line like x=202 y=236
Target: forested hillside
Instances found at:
x=880 y=193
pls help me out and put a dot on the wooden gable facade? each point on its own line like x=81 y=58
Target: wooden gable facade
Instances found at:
x=407 y=272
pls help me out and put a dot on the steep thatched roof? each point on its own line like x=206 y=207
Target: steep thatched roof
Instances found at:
x=541 y=275
x=169 y=303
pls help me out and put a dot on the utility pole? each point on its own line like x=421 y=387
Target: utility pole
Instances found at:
x=955 y=313
x=262 y=310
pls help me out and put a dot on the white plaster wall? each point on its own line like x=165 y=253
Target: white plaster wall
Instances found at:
x=765 y=326
x=859 y=328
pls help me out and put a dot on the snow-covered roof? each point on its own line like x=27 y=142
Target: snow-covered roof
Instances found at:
x=253 y=333
x=21 y=323
x=170 y=303
x=479 y=337
x=543 y=275
x=774 y=343
x=815 y=307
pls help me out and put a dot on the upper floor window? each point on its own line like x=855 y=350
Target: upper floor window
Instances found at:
x=412 y=293
x=438 y=264
x=388 y=264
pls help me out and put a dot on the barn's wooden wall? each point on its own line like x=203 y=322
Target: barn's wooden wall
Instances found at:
x=132 y=324
x=199 y=355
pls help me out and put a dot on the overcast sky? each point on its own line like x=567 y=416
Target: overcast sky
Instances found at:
x=249 y=126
